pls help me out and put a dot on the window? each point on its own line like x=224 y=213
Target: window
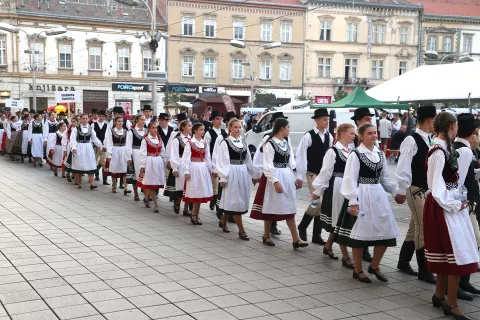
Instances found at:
x=352 y=32
x=326 y=30
x=324 y=67
x=188 y=26
x=266 y=69
x=209 y=67
x=238 y=30
x=95 y=58
x=467 y=43
x=123 y=59
x=65 y=55
x=38 y=57
x=286 y=32
x=404 y=35
x=187 y=66
x=379 y=33
x=237 y=69
x=447 y=44
x=432 y=43
x=266 y=28
x=147 y=60
x=377 y=69
x=402 y=68
x=351 y=67
x=209 y=28
x=2 y=52
x=285 y=71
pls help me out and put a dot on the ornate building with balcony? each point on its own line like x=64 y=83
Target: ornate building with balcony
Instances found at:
x=202 y=59
x=358 y=43
x=101 y=55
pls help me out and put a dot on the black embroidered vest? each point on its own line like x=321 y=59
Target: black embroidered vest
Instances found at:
x=37 y=128
x=58 y=142
x=281 y=157
x=119 y=140
x=237 y=155
x=52 y=127
x=316 y=151
x=25 y=125
x=419 y=174
x=136 y=139
x=181 y=144
x=100 y=132
x=340 y=162
x=470 y=183
x=369 y=171
x=214 y=137
x=84 y=137
x=165 y=137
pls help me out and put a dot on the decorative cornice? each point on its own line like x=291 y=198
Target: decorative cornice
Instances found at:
x=94 y=41
x=404 y=53
x=405 y=23
x=210 y=53
x=326 y=18
x=439 y=30
x=187 y=52
x=374 y=11
x=354 y=20
x=39 y=38
x=379 y=21
x=285 y=57
x=64 y=39
x=238 y=54
x=352 y=55
x=265 y=56
x=325 y=53
x=123 y=44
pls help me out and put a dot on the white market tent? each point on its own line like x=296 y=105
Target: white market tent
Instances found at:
x=294 y=105
x=437 y=83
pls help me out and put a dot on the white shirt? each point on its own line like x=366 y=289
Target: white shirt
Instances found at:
x=93 y=137
x=223 y=159
x=464 y=161
x=109 y=142
x=258 y=158
x=305 y=143
x=30 y=129
x=46 y=128
x=350 y=186
x=141 y=132
x=408 y=149
x=269 y=153
x=187 y=154
x=53 y=139
x=208 y=139
x=385 y=127
x=143 y=151
x=174 y=157
x=396 y=124
x=322 y=181
x=111 y=123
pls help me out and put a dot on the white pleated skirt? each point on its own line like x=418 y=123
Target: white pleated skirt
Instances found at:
x=136 y=162
x=199 y=188
x=281 y=203
x=85 y=161
x=236 y=195
x=57 y=159
x=25 y=142
x=118 y=162
x=154 y=177
x=49 y=138
x=37 y=145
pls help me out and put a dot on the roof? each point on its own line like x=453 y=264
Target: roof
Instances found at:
x=216 y=100
x=268 y=2
x=89 y=10
x=391 y=4
x=460 y=8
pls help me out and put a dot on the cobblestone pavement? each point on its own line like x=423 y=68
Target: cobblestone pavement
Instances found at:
x=81 y=254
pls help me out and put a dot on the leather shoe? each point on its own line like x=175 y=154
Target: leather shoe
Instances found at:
x=302 y=233
x=462 y=295
x=470 y=289
x=405 y=267
x=366 y=255
x=427 y=277
x=318 y=240
x=275 y=231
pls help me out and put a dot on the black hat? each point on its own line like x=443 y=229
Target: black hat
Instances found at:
x=32 y=111
x=41 y=112
x=25 y=110
x=215 y=113
x=466 y=124
x=94 y=111
x=425 y=112
x=229 y=115
x=360 y=113
x=18 y=111
x=147 y=107
x=164 y=116
x=182 y=116
x=117 y=110
x=101 y=113
x=61 y=113
x=277 y=115
x=320 y=112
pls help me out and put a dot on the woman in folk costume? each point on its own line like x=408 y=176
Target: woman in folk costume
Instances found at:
x=12 y=130
x=35 y=139
x=20 y=146
x=49 y=129
x=152 y=158
x=197 y=167
x=450 y=246
x=327 y=188
x=82 y=157
x=177 y=149
x=3 y=134
x=276 y=198
x=368 y=219
x=119 y=155
x=68 y=146
x=234 y=167
x=57 y=150
x=134 y=142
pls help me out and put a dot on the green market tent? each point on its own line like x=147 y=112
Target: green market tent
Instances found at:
x=358 y=98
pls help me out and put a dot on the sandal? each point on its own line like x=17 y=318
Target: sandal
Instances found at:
x=346 y=264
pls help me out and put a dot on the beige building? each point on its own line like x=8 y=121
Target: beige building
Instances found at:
x=202 y=59
x=360 y=43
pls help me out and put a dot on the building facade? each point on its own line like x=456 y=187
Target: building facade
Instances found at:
x=358 y=43
x=202 y=59
x=99 y=55
x=451 y=31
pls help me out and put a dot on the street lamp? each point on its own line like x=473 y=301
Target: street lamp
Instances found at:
x=32 y=51
x=242 y=45
x=464 y=56
x=154 y=37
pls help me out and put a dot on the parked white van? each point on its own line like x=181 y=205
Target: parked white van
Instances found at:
x=300 y=122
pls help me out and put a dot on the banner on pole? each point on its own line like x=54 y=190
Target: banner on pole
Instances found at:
x=17 y=104
x=68 y=96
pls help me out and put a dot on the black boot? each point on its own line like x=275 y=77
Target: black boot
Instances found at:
x=406 y=254
x=97 y=173
x=462 y=295
x=105 y=176
x=366 y=255
x=317 y=232
x=212 y=203
x=423 y=274
x=466 y=286
x=274 y=230
x=303 y=225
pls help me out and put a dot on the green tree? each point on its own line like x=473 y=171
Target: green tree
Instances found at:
x=174 y=97
x=339 y=95
x=303 y=97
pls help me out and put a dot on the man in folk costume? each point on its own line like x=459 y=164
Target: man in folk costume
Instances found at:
x=61 y=118
x=210 y=138
x=466 y=141
x=118 y=112
x=94 y=117
x=165 y=131
x=360 y=116
x=309 y=158
x=100 y=127
x=412 y=183
x=147 y=112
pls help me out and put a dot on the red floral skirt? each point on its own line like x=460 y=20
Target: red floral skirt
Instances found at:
x=257 y=213
x=4 y=142
x=438 y=247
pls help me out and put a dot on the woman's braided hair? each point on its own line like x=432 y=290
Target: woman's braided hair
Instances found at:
x=442 y=124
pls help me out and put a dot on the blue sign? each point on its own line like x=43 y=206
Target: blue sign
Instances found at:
x=183 y=89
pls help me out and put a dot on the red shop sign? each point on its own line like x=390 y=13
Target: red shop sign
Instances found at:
x=323 y=99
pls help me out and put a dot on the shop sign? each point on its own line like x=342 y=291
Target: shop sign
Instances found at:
x=17 y=104
x=68 y=96
x=323 y=99
x=48 y=87
x=183 y=89
x=135 y=87
x=209 y=89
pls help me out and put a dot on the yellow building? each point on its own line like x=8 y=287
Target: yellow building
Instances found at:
x=358 y=43
x=202 y=59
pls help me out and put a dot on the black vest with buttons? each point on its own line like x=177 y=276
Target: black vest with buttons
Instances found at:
x=316 y=151
x=181 y=144
x=237 y=155
x=340 y=162
x=281 y=157
x=58 y=142
x=100 y=132
x=214 y=137
x=165 y=137
x=136 y=139
x=369 y=171
x=84 y=137
x=37 y=128
x=473 y=190
x=419 y=174
x=52 y=127
x=119 y=140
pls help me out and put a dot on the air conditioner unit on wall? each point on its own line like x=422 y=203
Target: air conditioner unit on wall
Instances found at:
x=155 y=75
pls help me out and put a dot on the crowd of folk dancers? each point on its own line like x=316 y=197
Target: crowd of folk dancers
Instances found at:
x=348 y=177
